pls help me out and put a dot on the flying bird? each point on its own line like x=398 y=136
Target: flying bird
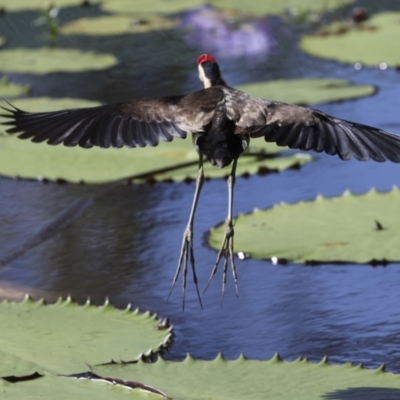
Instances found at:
x=222 y=121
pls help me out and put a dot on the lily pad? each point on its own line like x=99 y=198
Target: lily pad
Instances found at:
x=48 y=60
x=64 y=388
x=27 y=160
x=308 y=90
x=9 y=89
x=117 y=25
x=250 y=6
x=349 y=228
x=256 y=380
x=359 y=44
x=12 y=5
x=63 y=337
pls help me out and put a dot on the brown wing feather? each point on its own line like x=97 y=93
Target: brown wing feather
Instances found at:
x=308 y=129
x=132 y=124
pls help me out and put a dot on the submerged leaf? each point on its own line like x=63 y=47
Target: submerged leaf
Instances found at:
x=64 y=337
x=48 y=60
x=255 y=380
x=349 y=228
x=371 y=43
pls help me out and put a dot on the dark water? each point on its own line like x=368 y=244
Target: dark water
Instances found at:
x=126 y=244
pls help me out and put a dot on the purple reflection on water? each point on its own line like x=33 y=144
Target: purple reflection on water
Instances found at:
x=225 y=36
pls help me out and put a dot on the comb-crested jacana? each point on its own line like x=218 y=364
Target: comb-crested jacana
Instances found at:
x=222 y=121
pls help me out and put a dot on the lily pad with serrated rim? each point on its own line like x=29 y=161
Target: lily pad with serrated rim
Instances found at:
x=256 y=380
x=49 y=60
x=370 y=43
x=117 y=25
x=350 y=228
x=250 y=6
x=66 y=388
x=64 y=337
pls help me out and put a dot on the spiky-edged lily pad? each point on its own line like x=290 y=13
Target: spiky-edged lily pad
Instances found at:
x=255 y=380
x=63 y=336
x=48 y=60
x=117 y=25
x=308 y=90
x=250 y=6
x=12 y=5
x=10 y=89
x=27 y=160
x=64 y=388
x=350 y=228
x=362 y=44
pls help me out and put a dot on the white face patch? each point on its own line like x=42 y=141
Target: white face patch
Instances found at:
x=203 y=78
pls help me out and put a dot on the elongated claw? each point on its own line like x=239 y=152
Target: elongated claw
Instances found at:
x=187 y=251
x=226 y=249
x=226 y=252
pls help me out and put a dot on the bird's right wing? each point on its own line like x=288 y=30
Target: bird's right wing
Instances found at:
x=132 y=124
x=308 y=129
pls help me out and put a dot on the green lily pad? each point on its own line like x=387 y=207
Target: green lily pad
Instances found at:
x=27 y=160
x=63 y=337
x=9 y=89
x=250 y=6
x=48 y=60
x=254 y=380
x=308 y=90
x=338 y=229
x=117 y=25
x=362 y=44
x=149 y=6
x=12 y=5
x=64 y=388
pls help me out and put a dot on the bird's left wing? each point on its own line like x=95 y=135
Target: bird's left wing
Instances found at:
x=131 y=124
x=308 y=129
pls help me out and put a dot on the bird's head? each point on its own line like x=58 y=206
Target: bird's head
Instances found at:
x=209 y=72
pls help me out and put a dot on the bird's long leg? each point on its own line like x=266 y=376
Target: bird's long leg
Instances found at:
x=226 y=249
x=187 y=242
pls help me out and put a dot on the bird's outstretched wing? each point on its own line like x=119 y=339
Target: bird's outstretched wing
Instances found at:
x=308 y=129
x=131 y=124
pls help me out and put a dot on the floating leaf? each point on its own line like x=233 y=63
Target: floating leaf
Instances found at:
x=9 y=89
x=345 y=228
x=27 y=160
x=12 y=5
x=63 y=337
x=308 y=90
x=48 y=60
x=149 y=6
x=117 y=25
x=363 y=43
x=249 y=6
x=256 y=380
x=64 y=388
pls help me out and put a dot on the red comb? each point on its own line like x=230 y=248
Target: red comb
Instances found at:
x=205 y=57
